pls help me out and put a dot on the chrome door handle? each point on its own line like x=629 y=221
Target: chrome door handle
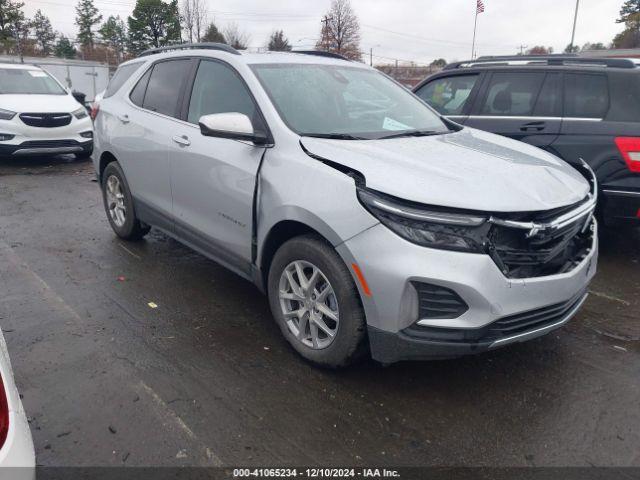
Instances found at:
x=182 y=140
x=123 y=118
x=533 y=126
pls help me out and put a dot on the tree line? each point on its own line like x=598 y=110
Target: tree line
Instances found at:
x=156 y=23
x=153 y=23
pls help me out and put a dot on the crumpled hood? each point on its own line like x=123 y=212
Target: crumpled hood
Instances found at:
x=469 y=169
x=39 y=103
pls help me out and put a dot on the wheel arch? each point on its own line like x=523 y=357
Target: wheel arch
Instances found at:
x=105 y=159
x=291 y=224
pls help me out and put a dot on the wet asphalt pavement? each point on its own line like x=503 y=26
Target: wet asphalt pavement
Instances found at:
x=206 y=378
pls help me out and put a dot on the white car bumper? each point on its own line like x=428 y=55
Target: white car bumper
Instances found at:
x=18 y=139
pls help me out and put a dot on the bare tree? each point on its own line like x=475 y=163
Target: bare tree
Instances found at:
x=540 y=50
x=194 y=18
x=340 y=31
x=235 y=37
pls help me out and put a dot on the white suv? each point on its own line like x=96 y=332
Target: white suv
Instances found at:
x=38 y=116
x=370 y=221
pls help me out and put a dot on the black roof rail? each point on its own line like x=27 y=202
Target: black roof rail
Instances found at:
x=321 y=53
x=565 y=59
x=192 y=46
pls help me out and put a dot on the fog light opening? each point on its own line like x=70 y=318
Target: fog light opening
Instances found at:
x=6 y=136
x=87 y=134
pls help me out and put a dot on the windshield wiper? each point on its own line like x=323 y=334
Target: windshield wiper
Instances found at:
x=413 y=133
x=333 y=136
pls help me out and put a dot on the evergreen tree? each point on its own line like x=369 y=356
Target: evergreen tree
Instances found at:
x=64 y=48
x=278 y=42
x=87 y=17
x=114 y=33
x=45 y=36
x=9 y=12
x=153 y=23
x=628 y=8
x=212 y=34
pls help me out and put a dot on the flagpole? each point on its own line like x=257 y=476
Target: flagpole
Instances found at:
x=475 y=25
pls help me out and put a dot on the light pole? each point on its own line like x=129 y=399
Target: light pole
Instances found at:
x=575 y=21
x=371 y=54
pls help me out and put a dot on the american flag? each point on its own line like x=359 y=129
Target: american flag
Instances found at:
x=480 y=8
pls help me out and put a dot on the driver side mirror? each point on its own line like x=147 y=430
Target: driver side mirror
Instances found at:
x=234 y=126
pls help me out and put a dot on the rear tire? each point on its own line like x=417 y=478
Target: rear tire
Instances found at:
x=118 y=204
x=301 y=306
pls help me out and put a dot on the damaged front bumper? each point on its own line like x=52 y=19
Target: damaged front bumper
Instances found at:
x=397 y=331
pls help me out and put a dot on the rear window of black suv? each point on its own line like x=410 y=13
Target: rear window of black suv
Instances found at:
x=625 y=96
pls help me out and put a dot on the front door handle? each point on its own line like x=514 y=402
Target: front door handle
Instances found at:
x=533 y=126
x=182 y=140
x=123 y=118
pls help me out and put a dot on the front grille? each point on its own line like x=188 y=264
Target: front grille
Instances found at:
x=533 y=319
x=46 y=120
x=438 y=302
x=49 y=143
x=505 y=327
x=548 y=252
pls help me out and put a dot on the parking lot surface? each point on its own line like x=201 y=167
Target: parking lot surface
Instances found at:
x=206 y=378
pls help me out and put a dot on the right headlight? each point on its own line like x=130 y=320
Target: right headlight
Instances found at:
x=80 y=113
x=432 y=228
x=6 y=114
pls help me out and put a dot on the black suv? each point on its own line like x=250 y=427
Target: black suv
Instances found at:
x=574 y=107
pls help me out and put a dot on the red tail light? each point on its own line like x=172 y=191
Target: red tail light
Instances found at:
x=4 y=414
x=95 y=108
x=630 y=149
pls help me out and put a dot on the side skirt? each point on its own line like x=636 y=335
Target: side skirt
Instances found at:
x=194 y=240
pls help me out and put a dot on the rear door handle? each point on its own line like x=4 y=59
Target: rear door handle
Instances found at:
x=533 y=126
x=182 y=140
x=123 y=118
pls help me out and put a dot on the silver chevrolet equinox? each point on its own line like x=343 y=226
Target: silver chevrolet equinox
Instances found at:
x=372 y=223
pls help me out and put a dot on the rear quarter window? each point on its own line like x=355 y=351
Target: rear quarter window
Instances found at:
x=624 y=89
x=585 y=96
x=122 y=74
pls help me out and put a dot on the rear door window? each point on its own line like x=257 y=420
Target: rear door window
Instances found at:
x=122 y=74
x=512 y=94
x=165 y=86
x=448 y=96
x=585 y=96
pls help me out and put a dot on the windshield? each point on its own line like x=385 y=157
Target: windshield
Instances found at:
x=344 y=102
x=34 y=82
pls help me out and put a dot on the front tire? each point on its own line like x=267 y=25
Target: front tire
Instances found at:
x=316 y=303
x=118 y=204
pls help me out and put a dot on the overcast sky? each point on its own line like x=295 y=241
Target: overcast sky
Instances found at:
x=412 y=30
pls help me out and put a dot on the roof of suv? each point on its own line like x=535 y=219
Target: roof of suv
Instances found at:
x=567 y=61
x=217 y=50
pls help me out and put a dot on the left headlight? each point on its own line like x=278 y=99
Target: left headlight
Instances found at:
x=434 y=228
x=80 y=113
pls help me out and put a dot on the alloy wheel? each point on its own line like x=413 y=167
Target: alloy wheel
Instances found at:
x=309 y=304
x=115 y=201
